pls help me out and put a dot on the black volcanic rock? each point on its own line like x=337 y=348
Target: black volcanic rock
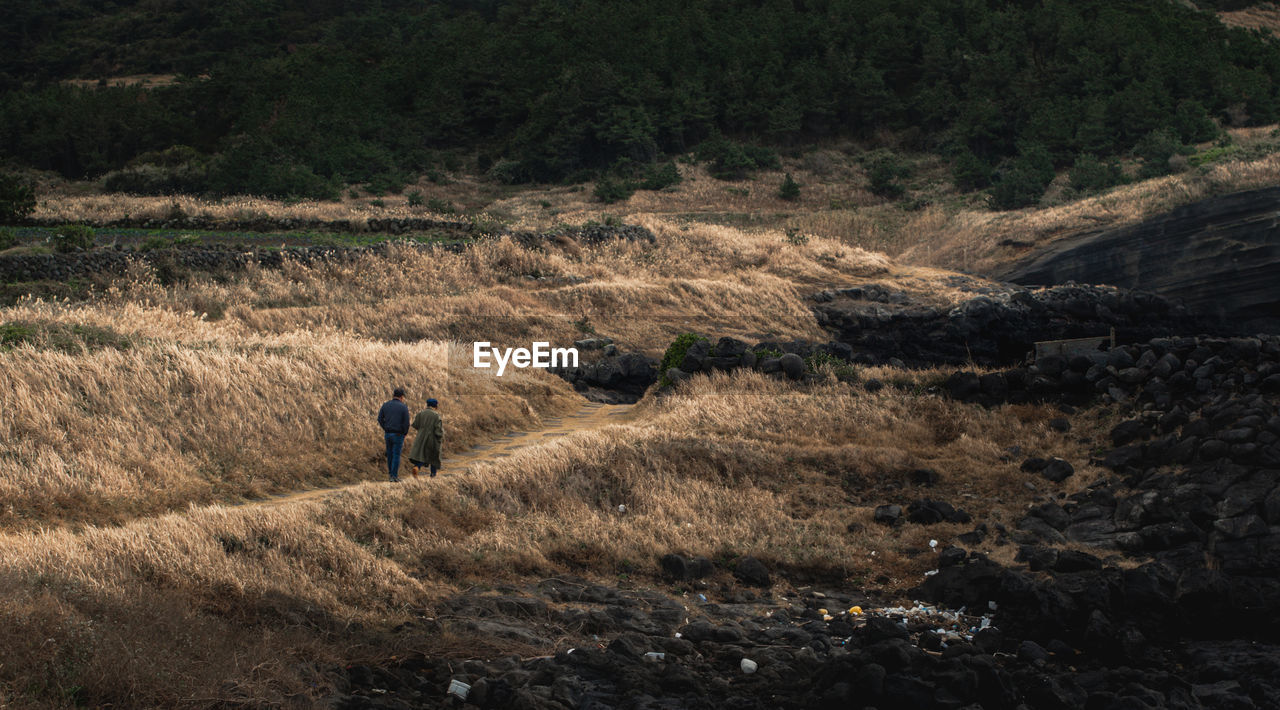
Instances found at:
x=1220 y=256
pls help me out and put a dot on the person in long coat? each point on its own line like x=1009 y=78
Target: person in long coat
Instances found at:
x=426 y=444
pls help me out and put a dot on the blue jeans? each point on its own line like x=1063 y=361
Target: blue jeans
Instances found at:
x=395 y=442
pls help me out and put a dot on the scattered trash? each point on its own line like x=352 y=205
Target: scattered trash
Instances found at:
x=855 y=610
x=622 y=508
x=992 y=605
x=824 y=612
x=458 y=689
x=748 y=666
x=655 y=656
x=703 y=597
x=378 y=691
x=933 y=544
x=930 y=573
x=827 y=617
x=678 y=634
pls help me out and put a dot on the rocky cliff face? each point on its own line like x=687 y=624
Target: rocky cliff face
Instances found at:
x=1220 y=256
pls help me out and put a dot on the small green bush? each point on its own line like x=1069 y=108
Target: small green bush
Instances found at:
x=884 y=170
x=1156 y=149
x=14 y=334
x=72 y=237
x=657 y=177
x=734 y=161
x=795 y=237
x=844 y=371
x=17 y=200
x=440 y=206
x=8 y=238
x=609 y=190
x=1092 y=175
x=415 y=199
x=971 y=172
x=675 y=354
x=1022 y=180
x=789 y=189
x=72 y=339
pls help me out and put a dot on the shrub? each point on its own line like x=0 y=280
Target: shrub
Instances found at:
x=796 y=237
x=1092 y=175
x=1192 y=122
x=734 y=161
x=609 y=190
x=415 y=199
x=675 y=354
x=844 y=371
x=1022 y=180
x=14 y=334
x=971 y=172
x=8 y=238
x=440 y=206
x=72 y=339
x=72 y=237
x=17 y=200
x=1156 y=149
x=659 y=176
x=884 y=170
x=789 y=189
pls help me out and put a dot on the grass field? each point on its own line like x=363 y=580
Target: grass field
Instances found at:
x=134 y=422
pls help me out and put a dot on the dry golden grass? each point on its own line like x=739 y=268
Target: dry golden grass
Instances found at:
x=143 y=81
x=933 y=226
x=164 y=611
x=268 y=381
x=108 y=435
x=697 y=277
x=1263 y=16
x=106 y=208
x=971 y=239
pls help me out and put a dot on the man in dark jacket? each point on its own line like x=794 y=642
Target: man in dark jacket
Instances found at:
x=394 y=420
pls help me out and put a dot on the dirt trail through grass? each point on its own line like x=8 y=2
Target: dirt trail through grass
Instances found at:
x=590 y=416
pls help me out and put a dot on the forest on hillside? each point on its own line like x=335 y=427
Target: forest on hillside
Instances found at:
x=298 y=97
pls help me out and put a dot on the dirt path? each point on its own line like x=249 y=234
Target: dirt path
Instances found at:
x=591 y=416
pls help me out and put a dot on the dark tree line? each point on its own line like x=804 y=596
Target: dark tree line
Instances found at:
x=295 y=97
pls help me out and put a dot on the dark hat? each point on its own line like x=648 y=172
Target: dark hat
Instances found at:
x=432 y=403
x=399 y=392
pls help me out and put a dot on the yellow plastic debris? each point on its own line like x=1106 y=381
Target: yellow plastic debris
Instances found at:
x=822 y=611
x=855 y=610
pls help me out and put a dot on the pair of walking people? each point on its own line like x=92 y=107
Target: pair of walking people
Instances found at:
x=395 y=423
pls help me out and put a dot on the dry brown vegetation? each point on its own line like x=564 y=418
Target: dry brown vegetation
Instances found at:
x=163 y=611
x=128 y=582
x=934 y=225
x=1263 y=16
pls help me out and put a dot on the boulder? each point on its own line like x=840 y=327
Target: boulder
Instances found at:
x=792 y=366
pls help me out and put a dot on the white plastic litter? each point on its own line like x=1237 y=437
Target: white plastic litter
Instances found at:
x=622 y=508
x=933 y=544
x=748 y=666
x=458 y=689
x=655 y=656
